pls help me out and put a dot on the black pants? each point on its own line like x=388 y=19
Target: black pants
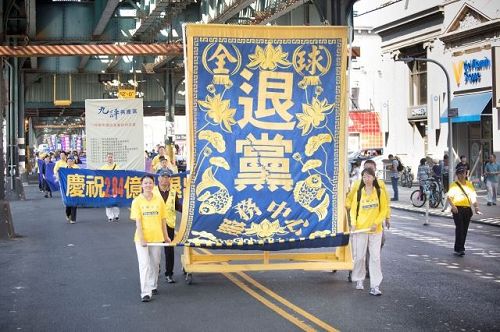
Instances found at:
x=71 y=212
x=462 y=221
x=169 y=254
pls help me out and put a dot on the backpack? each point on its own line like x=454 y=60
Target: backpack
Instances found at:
x=361 y=186
x=400 y=167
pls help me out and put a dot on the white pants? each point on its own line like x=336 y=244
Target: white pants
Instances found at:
x=360 y=243
x=492 y=191
x=113 y=212
x=149 y=267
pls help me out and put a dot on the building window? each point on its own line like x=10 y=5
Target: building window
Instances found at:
x=418 y=83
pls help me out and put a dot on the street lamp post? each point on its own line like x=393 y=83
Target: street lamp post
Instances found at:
x=451 y=160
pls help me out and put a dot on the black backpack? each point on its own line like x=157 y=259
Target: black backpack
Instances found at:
x=400 y=167
x=361 y=186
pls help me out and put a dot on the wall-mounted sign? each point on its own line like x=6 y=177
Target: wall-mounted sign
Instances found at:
x=470 y=72
x=417 y=112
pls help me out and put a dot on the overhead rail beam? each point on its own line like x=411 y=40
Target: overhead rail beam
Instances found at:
x=105 y=17
x=100 y=49
x=232 y=10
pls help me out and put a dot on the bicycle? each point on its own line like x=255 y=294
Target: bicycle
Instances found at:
x=432 y=188
x=406 y=177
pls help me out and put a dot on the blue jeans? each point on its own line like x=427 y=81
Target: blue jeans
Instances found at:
x=394 y=182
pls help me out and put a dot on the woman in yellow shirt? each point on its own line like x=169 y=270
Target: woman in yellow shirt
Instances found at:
x=462 y=197
x=367 y=213
x=150 y=215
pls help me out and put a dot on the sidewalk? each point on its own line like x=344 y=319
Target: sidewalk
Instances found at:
x=490 y=216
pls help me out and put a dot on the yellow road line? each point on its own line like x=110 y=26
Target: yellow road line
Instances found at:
x=278 y=298
x=269 y=304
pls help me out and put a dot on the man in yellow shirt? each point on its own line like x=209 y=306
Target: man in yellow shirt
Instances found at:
x=112 y=212
x=150 y=215
x=367 y=214
x=462 y=197
x=172 y=204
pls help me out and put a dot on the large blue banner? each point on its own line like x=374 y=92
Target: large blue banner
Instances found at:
x=105 y=188
x=267 y=136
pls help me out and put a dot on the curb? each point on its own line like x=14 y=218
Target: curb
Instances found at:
x=484 y=221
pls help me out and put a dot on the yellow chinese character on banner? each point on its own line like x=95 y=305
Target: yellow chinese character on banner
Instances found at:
x=95 y=186
x=133 y=186
x=175 y=185
x=76 y=184
x=217 y=62
x=264 y=163
x=311 y=65
x=276 y=87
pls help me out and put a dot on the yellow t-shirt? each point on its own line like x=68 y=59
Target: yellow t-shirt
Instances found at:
x=354 y=190
x=108 y=167
x=457 y=197
x=169 y=206
x=151 y=213
x=60 y=163
x=369 y=211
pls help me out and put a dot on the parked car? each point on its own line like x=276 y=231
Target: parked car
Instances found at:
x=364 y=154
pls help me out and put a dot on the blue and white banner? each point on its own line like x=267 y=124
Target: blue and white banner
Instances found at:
x=103 y=188
x=268 y=122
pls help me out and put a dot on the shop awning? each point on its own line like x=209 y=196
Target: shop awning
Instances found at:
x=469 y=107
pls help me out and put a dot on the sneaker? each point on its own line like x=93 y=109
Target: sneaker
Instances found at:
x=375 y=291
x=170 y=279
x=110 y=220
x=494 y=203
x=72 y=222
x=47 y=196
x=458 y=253
x=155 y=292
x=359 y=285
x=146 y=298
x=462 y=253
x=116 y=219
x=489 y=204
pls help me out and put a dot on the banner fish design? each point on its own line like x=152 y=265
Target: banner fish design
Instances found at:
x=307 y=191
x=213 y=203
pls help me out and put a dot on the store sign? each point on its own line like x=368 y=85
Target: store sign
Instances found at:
x=471 y=71
x=417 y=113
x=126 y=93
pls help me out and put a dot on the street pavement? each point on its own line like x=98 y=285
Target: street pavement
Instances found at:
x=84 y=277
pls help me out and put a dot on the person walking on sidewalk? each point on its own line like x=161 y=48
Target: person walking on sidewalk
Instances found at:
x=112 y=212
x=367 y=214
x=464 y=164
x=491 y=171
x=150 y=215
x=172 y=204
x=394 y=173
x=462 y=197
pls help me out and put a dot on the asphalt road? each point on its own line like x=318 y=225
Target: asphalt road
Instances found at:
x=84 y=277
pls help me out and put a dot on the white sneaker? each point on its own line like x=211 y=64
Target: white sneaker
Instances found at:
x=359 y=285
x=375 y=291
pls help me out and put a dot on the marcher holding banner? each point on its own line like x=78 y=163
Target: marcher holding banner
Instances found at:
x=367 y=213
x=60 y=163
x=112 y=212
x=172 y=204
x=70 y=210
x=44 y=172
x=150 y=215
